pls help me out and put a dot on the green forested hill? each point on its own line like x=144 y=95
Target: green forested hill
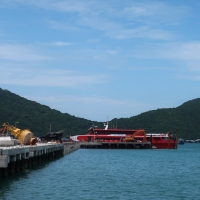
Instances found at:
x=36 y=117
x=185 y=118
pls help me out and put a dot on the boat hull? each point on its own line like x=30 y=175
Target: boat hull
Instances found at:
x=158 y=141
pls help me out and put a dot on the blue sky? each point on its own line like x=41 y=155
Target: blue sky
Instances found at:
x=99 y=58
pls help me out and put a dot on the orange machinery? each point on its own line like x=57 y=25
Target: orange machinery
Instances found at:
x=140 y=132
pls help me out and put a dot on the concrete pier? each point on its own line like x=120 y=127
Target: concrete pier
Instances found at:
x=70 y=147
x=19 y=157
x=115 y=145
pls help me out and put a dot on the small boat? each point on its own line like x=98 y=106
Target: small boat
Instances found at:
x=52 y=136
x=181 y=141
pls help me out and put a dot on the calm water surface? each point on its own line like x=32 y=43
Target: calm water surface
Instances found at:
x=111 y=174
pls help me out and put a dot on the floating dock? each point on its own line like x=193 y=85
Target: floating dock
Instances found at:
x=19 y=157
x=115 y=145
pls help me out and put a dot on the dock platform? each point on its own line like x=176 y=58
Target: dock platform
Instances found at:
x=115 y=145
x=18 y=157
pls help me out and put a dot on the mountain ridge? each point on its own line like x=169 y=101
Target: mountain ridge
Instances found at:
x=38 y=117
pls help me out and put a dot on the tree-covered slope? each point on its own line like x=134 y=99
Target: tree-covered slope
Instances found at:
x=36 y=117
x=185 y=118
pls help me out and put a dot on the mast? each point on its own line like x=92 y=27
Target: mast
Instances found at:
x=106 y=124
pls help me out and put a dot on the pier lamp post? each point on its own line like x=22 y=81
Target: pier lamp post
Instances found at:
x=16 y=124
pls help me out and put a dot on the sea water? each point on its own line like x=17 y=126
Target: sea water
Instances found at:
x=88 y=174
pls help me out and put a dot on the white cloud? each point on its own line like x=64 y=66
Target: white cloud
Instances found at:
x=130 y=8
x=115 y=30
x=156 y=12
x=84 y=100
x=112 y=52
x=61 y=26
x=186 y=51
x=184 y=58
x=93 y=40
x=193 y=65
x=18 y=52
x=131 y=20
x=57 y=5
x=195 y=78
x=145 y=32
x=60 y=44
x=188 y=76
x=49 y=78
x=175 y=51
x=87 y=106
x=68 y=6
x=119 y=31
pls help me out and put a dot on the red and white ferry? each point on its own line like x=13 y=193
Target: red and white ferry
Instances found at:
x=158 y=140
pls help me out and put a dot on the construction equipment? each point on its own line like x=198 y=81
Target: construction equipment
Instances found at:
x=140 y=132
x=53 y=136
x=25 y=136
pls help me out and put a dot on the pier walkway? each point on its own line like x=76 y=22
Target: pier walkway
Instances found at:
x=14 y=158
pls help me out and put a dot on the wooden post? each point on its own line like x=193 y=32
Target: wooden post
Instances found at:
x=169 y=138
x=176 y=138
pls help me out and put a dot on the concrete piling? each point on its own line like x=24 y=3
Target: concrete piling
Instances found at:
x=115 y=145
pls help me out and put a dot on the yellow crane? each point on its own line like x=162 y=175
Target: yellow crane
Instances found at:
x=25 y=136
